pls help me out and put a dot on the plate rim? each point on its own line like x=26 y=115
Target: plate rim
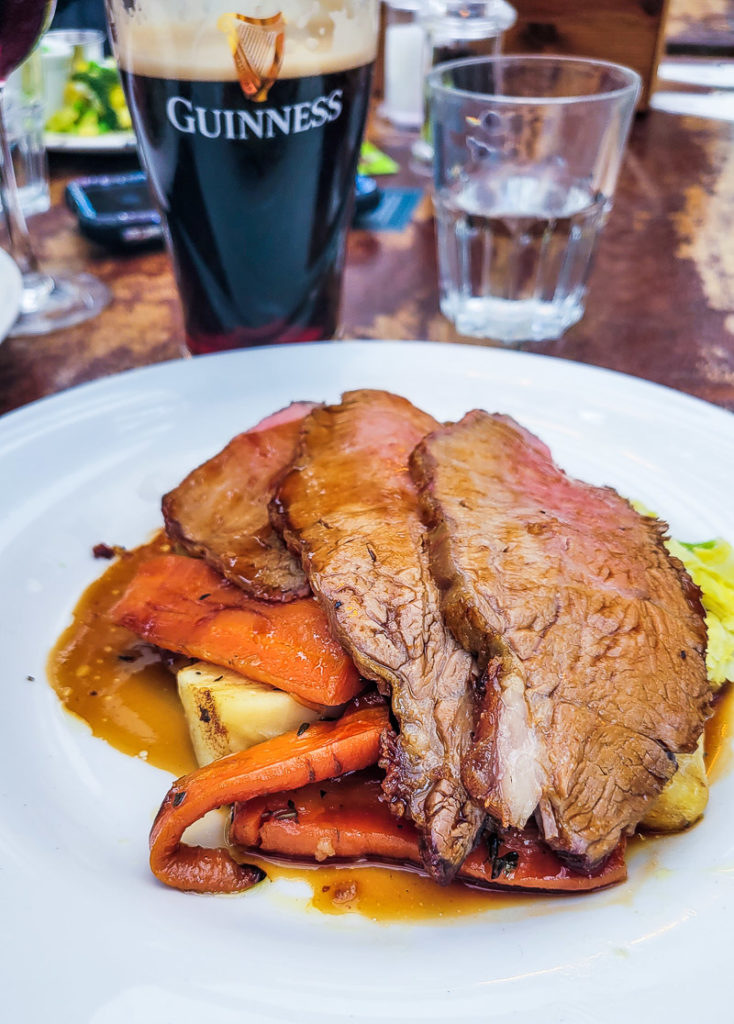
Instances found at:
x=69 y=142
x=485 y=351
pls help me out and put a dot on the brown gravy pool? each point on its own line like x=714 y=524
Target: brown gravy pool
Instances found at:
x=121 y=689
x=115 y=682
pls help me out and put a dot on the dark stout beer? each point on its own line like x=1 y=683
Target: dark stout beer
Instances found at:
x=256 y=197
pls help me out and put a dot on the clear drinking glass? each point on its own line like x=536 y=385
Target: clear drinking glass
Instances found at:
x=458 y=30
x=48 y=301
x=249 y=125
x=24 y=120
x=526 y=156
x=61 y=49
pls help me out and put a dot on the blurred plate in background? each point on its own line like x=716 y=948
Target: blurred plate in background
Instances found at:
x=110 y=142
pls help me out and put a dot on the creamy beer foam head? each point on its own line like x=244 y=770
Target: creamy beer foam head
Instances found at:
x=180 y=40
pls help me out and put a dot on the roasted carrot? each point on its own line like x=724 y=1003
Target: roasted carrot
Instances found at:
x=289 y=761
x=344 y=819
x=182 y=605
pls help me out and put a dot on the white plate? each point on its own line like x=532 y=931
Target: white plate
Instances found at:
x=11 y=289
x=110 y=142
x=88 y=936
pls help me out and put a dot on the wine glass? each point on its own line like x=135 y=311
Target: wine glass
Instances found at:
x=47 y=302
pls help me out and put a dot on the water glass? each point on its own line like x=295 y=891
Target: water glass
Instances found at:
x=526 y=156
x=60 y=50
x=458 y=30
x=24 y=119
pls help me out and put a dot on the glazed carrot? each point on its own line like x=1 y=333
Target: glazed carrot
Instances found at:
x=344 y=819
x=182 y=605
x=289 y=761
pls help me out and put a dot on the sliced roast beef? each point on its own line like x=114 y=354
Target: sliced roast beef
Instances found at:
x=591 y=636
x=220 y=511
x=348 y=507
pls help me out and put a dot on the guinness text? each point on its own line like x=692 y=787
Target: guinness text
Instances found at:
x=264 y=123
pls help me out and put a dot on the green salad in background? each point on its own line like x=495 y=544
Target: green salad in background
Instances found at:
x=94 y=102
x=710 y=564
x=711 y=567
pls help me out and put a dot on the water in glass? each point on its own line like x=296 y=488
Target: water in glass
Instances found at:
x=515 y=250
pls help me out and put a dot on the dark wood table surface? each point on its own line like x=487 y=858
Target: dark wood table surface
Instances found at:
x=660 y=304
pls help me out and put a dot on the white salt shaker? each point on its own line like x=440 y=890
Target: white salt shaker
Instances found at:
x=405 y=63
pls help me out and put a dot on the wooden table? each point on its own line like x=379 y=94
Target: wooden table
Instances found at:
x=660 y=306
x=701 y=27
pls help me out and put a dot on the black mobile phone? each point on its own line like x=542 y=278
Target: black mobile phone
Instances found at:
x=115 y=210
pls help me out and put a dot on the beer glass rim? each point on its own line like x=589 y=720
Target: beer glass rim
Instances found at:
x=629 y=81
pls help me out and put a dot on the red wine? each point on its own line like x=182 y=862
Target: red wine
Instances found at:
x=21 y=24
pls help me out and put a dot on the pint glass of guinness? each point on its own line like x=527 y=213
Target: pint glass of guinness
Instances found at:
x=249 y=116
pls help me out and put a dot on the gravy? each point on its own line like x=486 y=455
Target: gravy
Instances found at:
x=122 y=689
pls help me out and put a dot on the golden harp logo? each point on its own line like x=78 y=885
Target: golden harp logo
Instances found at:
x=257 y=48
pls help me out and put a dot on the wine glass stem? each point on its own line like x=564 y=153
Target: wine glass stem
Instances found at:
x=21 y=248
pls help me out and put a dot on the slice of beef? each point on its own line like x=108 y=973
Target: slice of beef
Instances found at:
x=220 y=511
x=591 y=636
x=349 y=508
